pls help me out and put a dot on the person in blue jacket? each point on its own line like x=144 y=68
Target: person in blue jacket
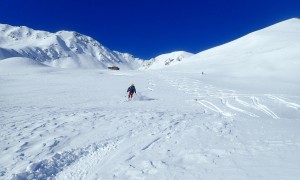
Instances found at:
x=130 y=91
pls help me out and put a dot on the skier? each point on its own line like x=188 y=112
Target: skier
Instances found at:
x=130 y=91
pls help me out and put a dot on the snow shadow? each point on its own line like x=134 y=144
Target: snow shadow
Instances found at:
x=48 y=168
x=140 y=97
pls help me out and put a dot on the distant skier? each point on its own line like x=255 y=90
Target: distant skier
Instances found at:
x=130 y=91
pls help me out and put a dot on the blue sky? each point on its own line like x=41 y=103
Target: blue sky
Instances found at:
x=147 y=28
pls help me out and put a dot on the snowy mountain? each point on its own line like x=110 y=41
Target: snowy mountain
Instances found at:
x=240 y=120
x=271 y=52
x=67 y=49
x=164 y=60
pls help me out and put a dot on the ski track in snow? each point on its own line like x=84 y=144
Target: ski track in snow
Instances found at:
x=226 y=103
x=263 y=108
x=288 y=104
x=218 y=100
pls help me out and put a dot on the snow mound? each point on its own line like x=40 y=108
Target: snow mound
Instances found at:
x=20 y=65
x=19 y=62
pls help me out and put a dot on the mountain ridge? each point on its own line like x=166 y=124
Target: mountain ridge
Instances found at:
x=72 y=49
x=67 y=49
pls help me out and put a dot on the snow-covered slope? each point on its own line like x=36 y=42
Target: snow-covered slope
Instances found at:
x=179 y=126
x=19 y=62
x=65 y=49
x=166 y=60
x=270 y=52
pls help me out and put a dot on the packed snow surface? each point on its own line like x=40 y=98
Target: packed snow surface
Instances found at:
x=239 y=119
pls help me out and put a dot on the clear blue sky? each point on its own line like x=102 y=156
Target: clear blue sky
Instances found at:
x=147 y=28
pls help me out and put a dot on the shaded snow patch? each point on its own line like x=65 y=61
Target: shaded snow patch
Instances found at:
x=48 y=168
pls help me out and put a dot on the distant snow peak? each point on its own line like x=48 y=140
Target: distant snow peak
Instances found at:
x=166 y=60
x=66 y=49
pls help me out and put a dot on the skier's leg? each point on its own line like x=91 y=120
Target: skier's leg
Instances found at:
x=129 y=95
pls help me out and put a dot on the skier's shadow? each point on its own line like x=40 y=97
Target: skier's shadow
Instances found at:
x=144 y=98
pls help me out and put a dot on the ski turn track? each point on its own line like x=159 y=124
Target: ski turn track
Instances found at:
x=218 y=100
x=263 y=108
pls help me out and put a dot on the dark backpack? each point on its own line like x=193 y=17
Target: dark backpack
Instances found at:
x=131 y=89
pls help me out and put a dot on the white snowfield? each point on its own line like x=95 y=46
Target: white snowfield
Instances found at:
x=229 y=123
